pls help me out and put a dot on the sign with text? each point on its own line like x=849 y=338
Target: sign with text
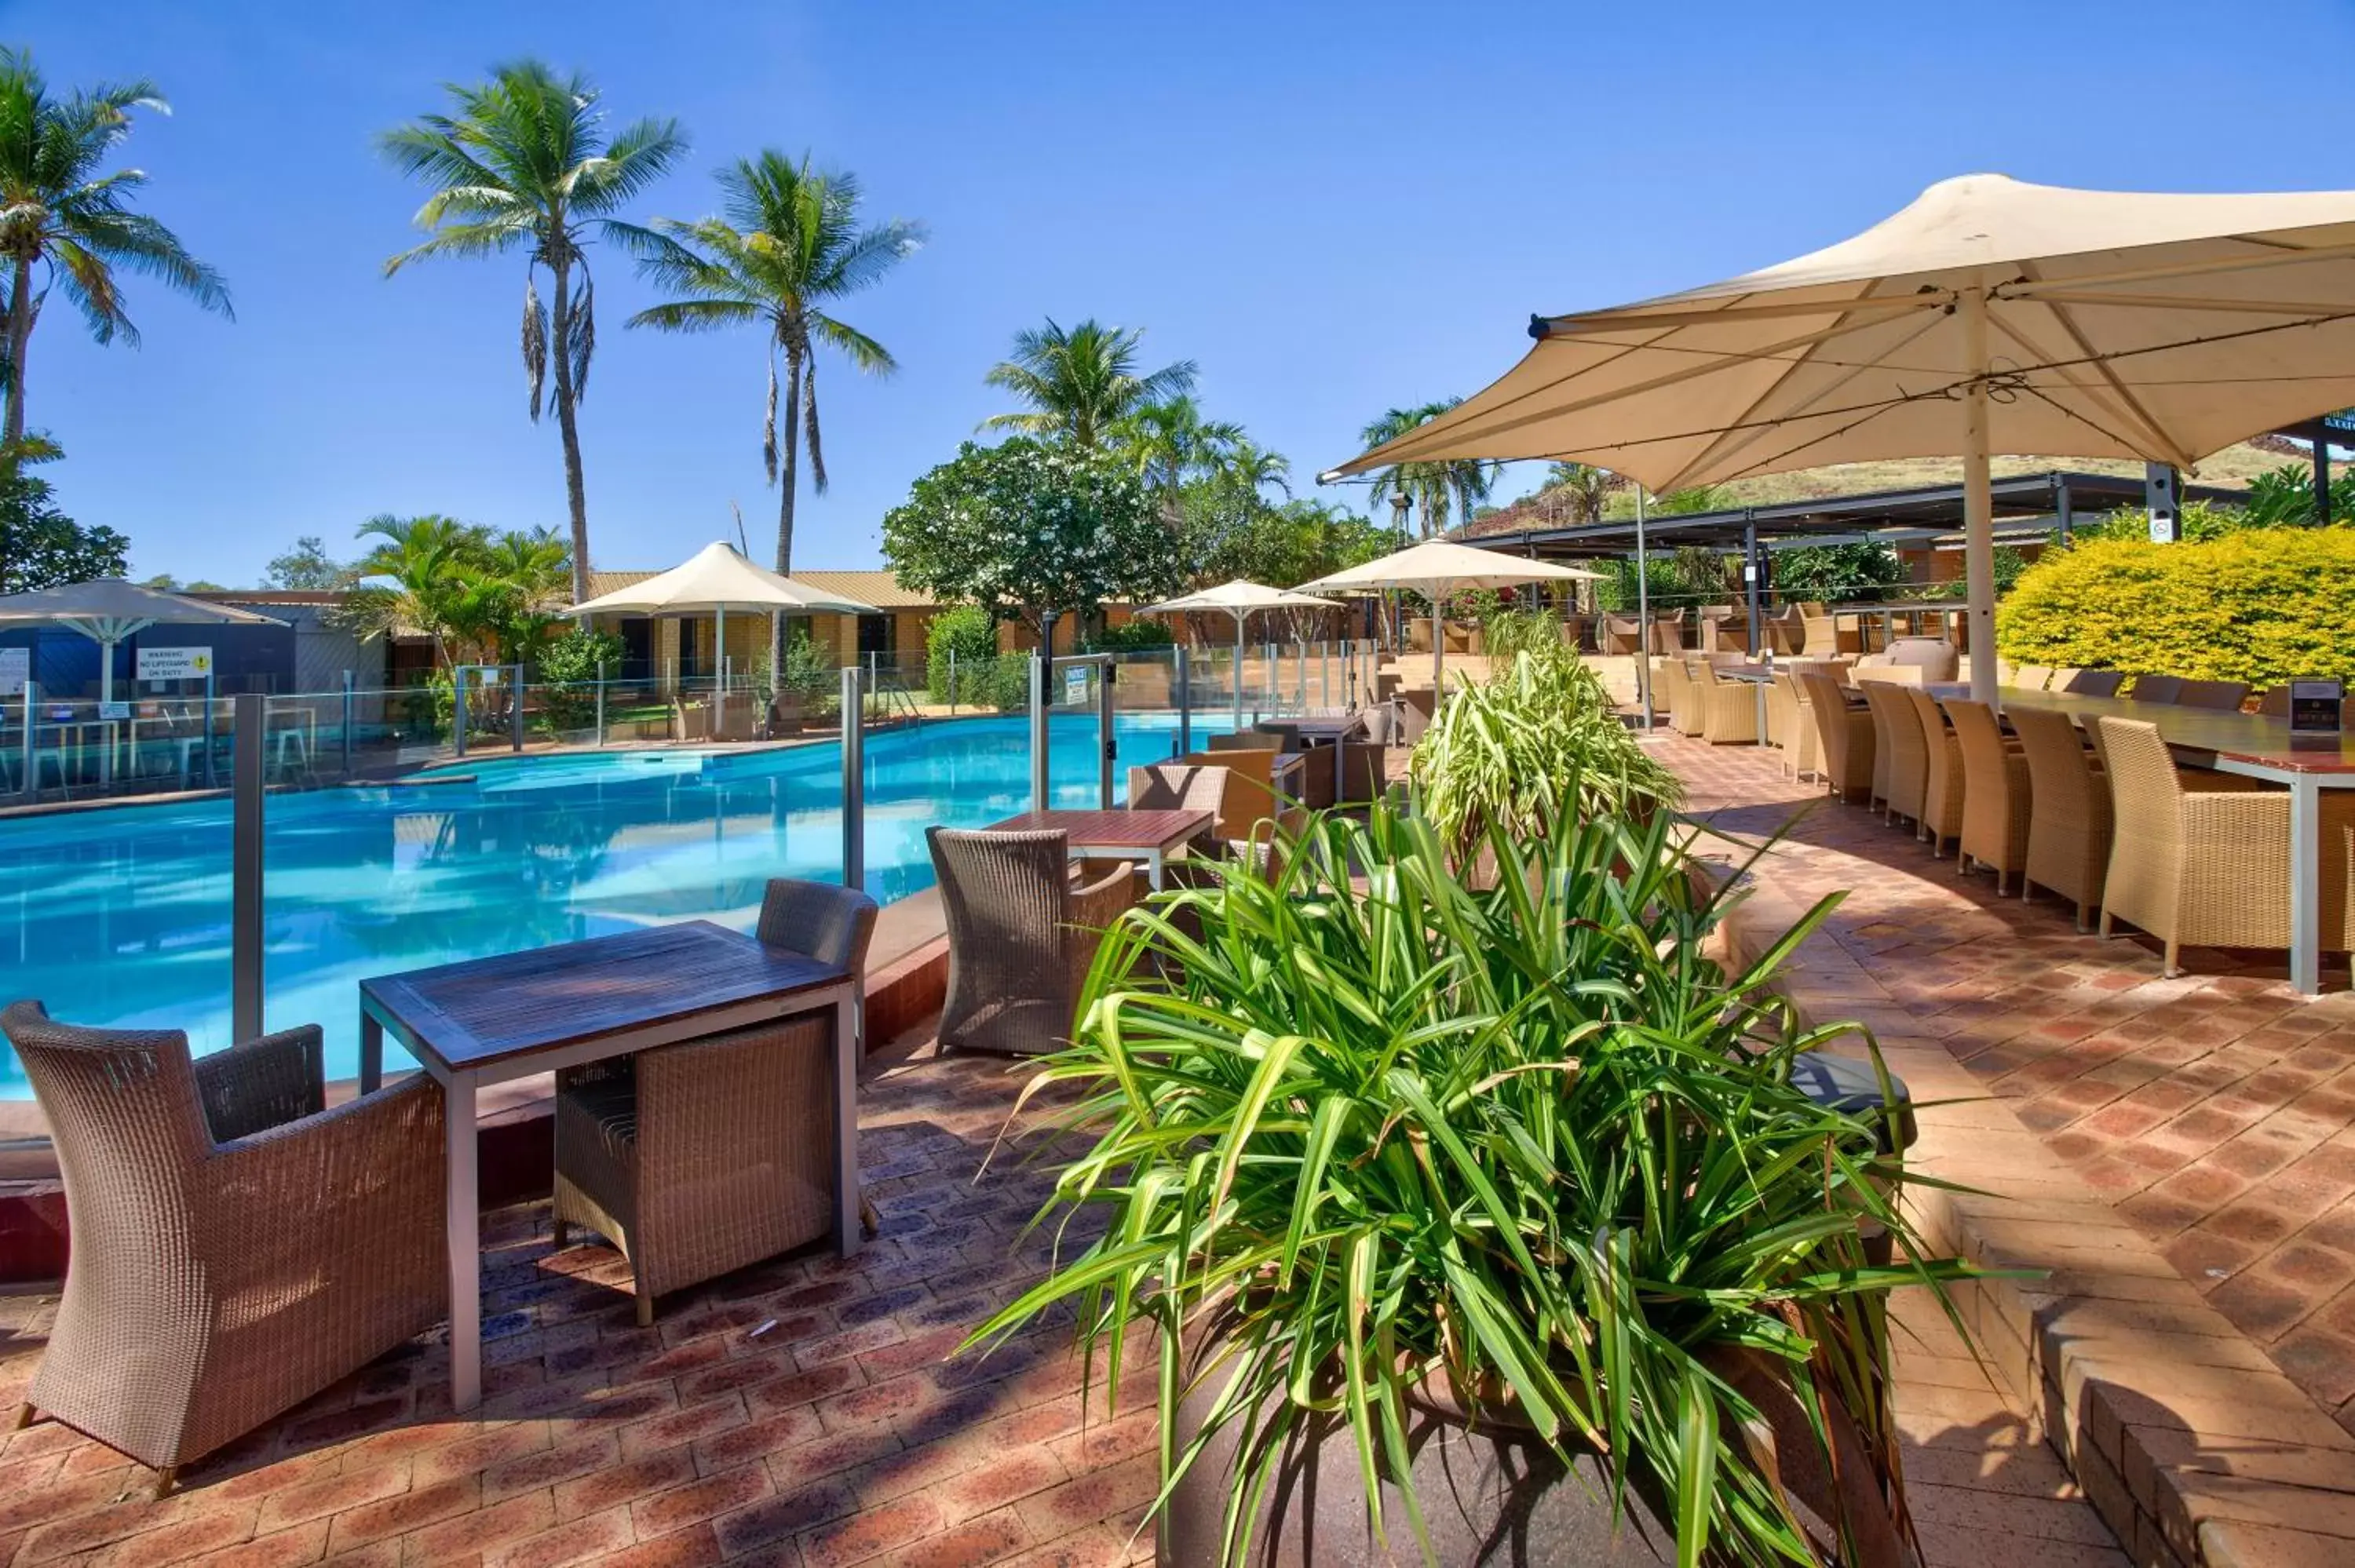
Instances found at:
x=16 y=668
x=1075 y=685
x=114 y=713
x=175 y=664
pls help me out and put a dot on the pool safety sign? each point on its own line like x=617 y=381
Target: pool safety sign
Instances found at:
x=16 y=668
x=1075 y=685
x=175 y=664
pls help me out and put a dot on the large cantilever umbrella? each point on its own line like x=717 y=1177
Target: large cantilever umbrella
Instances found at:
x=1988 y=316
x=1239 y=598
x=1437 y=568
x=713 y=581
x=109 y=610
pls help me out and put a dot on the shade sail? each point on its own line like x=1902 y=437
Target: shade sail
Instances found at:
x=716 y=578
x=1437 y=568
x=1988 y=316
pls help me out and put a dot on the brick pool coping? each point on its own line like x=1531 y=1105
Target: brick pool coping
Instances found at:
x=2190 y=1441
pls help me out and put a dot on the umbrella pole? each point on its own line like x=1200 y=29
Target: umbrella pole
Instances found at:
x=1438 y=645
x=1978 y=511
x=1239 y=671
x=719 y=692
x=1643 y=616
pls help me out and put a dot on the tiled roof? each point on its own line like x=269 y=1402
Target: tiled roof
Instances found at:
x=880 y=589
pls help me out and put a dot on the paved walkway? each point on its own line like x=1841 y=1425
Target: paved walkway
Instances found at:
x=2215 y=1111
x=805 y=1414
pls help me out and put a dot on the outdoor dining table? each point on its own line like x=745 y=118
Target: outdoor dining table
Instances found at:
x=2254 y=745
x=1326 y=731
x=491 y=1021
x=1149 y=836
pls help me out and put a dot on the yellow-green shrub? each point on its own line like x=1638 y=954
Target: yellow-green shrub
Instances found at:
x=2259 y=606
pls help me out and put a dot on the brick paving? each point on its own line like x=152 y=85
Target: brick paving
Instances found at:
x=806 y=1413
x=2215 y=1111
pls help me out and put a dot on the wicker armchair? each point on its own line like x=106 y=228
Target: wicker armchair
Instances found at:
x=2089 y=683
x=2227 y=695
x=2153 y=689
x=2069 y=826
x=2209 y=865
x=1998 y=794
x=2031 y=677
x=1688 y=703
x=1942 y=776
x=1021 y=937
x=1728 y=710
x=702 y=1157
x=1177 y=787
x=1791 y=724
x=1620 y=634
x=1720 y=632
x=1900 y=761
x=235 y=1247
x=1846 y=733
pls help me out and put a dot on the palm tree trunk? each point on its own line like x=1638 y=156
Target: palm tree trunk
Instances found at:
x=575 y=493
x=787 y=483
x=20 y=334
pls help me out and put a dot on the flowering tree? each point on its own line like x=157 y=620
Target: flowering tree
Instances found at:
x=1030 y=530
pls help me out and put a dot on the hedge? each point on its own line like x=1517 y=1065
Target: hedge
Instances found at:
x=2260 y=606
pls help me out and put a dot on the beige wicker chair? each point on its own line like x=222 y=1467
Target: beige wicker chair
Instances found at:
x=1728 y=710
x=703 y=1158
x=1897 y=733
x=1178 y=786
x=2227 y=695
x=2209 y=865
x=2069 y=823
x=1621 y=634
x=1997 y=794
x=1846 y=733
x=1942 y=779
x=1021 y=937
x=2031 y=677
x=1791 y=725
x=2153 y=689
x=235 y=1247
x=2090 y=683
x=1683 y=688
x=1823 y=637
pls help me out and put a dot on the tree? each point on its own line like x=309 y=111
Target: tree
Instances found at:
x=306 y=567
x=1293 y=543
x=1032 y=530
x=1582 y=489
x=523 y=161
x=787 y=248
x=61 y=215
x=1171 y=444
x=1080 y=383
x=40 y=546
x=164 y=582
x=481 y=598
x=1434 y=487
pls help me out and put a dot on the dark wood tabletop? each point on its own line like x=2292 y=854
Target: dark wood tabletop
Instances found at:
x=486 y=1010
x=1327 y=729
x=1113 y=830
x=2256 y=738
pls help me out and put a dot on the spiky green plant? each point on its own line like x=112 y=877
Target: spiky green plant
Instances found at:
x=1378 y=1124
x=1538 y=737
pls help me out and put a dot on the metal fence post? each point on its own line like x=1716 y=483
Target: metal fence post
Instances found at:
x=458 y=709
x=953 y=689
x=854 y=778
x=1039 y=780
x=348 y=724
x=515 y=712
x=1185 y=703
x=601 y=704
x=245 y=866
x=32 y=724
x=1106 y=734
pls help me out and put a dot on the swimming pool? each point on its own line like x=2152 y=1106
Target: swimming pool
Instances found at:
x=121 y=916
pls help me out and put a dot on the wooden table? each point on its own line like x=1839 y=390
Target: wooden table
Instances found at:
x=1326 y=731
x=488 y=1020
x=2254 y=745
x=1148 y=836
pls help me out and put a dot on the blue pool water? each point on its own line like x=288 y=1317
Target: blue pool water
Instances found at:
x=120 y=916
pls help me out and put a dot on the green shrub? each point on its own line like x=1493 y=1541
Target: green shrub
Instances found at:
x=1131 y=637
x=1510 y=631
x=567 y=673
x=2259 y=605
x=970 y=633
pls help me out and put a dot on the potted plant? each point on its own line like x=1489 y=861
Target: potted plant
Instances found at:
x=1488 y=1221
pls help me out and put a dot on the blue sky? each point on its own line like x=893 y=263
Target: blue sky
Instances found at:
x=1333 y=208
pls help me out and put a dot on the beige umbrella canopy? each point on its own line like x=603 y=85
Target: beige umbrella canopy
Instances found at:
x=1437 y=568
x=1988 y=316
x=107 y=610
x=1239 y=598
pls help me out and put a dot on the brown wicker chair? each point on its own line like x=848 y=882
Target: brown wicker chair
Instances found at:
x=1621 y=634
x=1177 y=787
x=1901 y=762
x=2092 y=684
x=2069 y=823
x=235 y=1247
x=2228 y=695
x=2153 y=689
x=2275 y=704
x=2209 y=865
x=1997 y=794
x=703 y=1158
x=1846 y=733
x=1942 y=776
x=1021 y=937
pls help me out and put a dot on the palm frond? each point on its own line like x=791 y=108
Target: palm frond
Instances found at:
x=535 y=342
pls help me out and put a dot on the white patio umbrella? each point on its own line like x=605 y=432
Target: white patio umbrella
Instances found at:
x=1988 y=316
x=713 y=581
x=1239 y=598
x=109 y=610
x=1437 y=568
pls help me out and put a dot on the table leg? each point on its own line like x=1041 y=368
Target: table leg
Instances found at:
x=461 y=1197
x=846 y=1235
x=2305 y=883
x=1153 y=863
x=371 y=1051
x=1760 y=687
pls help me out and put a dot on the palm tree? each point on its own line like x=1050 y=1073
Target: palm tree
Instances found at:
x=1171 y=443
x=1080 y=383
x=788 y=247
x=1581 y=489
x=1434 y=485
x=415 y=577
x=523 y=161
x=1252 y=467
x=59 y=214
